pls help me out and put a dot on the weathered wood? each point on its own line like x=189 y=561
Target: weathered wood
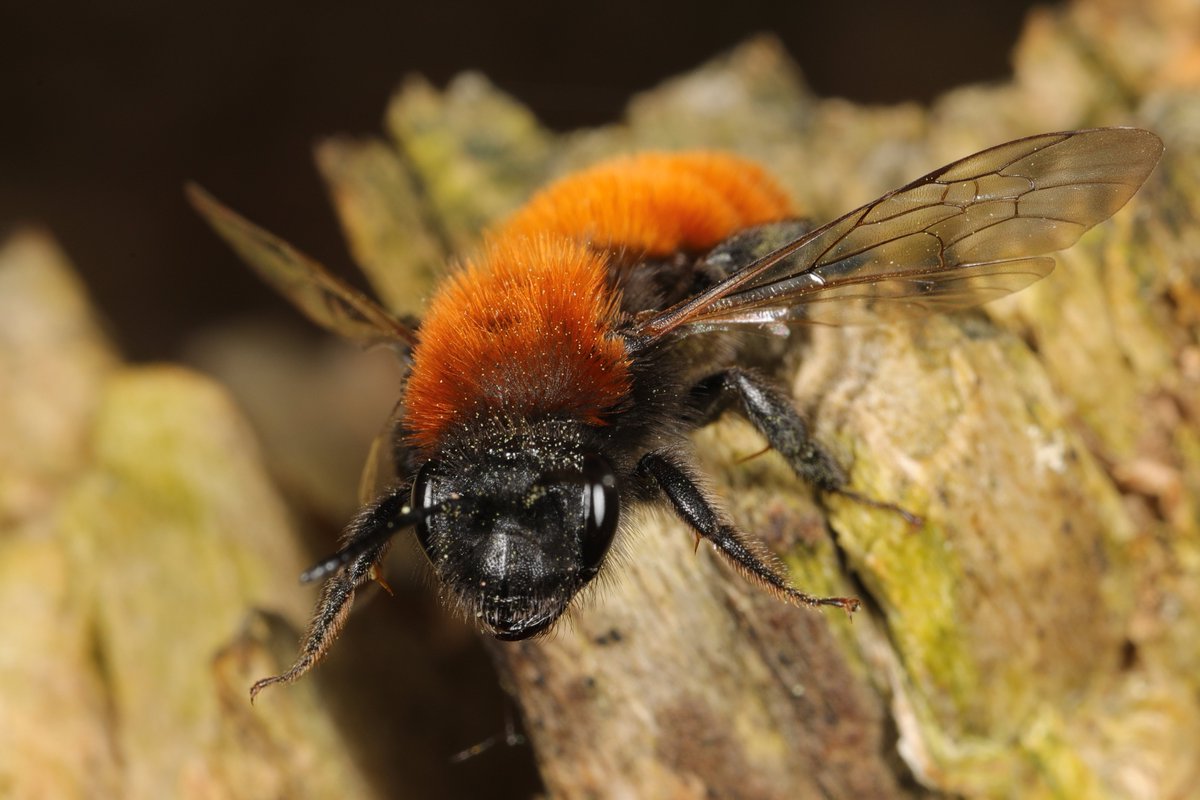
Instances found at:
x=127 y=567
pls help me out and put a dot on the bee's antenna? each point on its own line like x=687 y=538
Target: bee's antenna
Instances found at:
x=406 y=517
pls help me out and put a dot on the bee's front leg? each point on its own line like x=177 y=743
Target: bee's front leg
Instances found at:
x=366 y=539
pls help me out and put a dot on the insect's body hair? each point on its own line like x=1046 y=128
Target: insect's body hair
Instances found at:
x=530 y=329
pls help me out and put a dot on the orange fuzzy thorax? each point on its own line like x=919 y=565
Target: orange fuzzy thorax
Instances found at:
x=526 y=330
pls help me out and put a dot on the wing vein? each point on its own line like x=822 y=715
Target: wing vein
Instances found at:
x=969 y=208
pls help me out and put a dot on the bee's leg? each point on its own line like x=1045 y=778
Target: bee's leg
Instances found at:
x=747 y=555
x=771 y=411
x=373 y=524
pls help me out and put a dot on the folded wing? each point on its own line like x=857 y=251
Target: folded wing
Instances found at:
x=962 y=235
x=325 y=299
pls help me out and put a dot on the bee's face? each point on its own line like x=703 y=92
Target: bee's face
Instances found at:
x=518 y=535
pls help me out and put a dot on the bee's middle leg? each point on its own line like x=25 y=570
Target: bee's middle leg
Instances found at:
x=772 y=413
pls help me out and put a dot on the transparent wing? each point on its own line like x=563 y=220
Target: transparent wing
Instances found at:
x=326 y=300
x=964 y=234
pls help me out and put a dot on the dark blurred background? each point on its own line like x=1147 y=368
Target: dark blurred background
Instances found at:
x=108 y=108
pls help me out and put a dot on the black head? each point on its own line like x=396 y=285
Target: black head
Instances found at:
x=524 y=523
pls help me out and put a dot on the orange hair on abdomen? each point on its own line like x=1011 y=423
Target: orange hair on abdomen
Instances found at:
x=527 y=329
x=655 y=204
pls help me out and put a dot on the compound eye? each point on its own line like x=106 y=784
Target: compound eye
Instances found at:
x=601 y=509
x=423 y=499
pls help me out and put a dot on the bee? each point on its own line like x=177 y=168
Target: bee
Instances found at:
x=556 y=374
